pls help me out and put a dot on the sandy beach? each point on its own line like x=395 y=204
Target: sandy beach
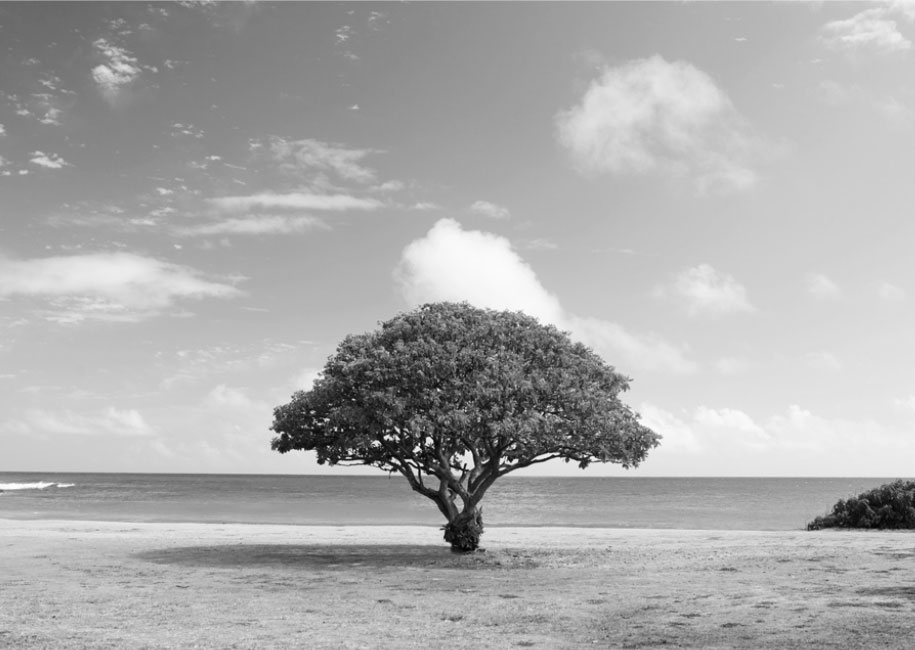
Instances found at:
x=75 y=584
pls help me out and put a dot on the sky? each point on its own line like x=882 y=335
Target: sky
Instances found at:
x=198 y=201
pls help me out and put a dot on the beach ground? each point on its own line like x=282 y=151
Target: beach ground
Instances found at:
x=68 y=584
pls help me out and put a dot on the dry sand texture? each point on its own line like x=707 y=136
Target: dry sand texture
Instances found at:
x=67 y=585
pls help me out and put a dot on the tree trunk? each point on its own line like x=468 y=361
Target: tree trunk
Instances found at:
x=464 y=531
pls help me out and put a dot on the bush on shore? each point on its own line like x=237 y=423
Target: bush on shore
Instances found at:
x=890 y=506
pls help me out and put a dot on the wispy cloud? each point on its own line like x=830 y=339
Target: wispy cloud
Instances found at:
x=888 y=107
x=872 y=29
x=452 y=264
x=294 y=201
x=653 y=116
x=255 y=225
x=315 y=156
x=823 y=360
x=106 y=286
x=491 y=210
x=110 y=421
x=731 y=432
x=821 y=286
x=891 y=293
x=704 y=290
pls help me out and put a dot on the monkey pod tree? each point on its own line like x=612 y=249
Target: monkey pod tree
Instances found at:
x=454 y=397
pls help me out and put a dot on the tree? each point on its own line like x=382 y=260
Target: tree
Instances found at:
x=454 y=397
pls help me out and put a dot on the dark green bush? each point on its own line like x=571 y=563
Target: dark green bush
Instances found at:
x=888 y=506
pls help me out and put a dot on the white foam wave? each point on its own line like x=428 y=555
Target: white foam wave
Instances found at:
x=38 y=485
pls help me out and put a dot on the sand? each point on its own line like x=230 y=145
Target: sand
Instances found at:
x=72 y=584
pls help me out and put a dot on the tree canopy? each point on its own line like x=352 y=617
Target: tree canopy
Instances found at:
x=454 y=397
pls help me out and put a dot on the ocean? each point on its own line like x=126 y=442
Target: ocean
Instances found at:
x=617 y=502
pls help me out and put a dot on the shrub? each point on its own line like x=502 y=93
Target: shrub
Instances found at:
x=889 y=506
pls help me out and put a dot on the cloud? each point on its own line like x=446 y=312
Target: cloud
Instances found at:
x=905 y=403
x=872 y=29
x=732 y=365
x=119 y=70
x=651 y=116
x=106 y=286
x=538 y=244
x=425 y=205
x=891 y=293
x=295 y=156
x=822 y=287
x=823 y=360
x=451 y=264
x=223 y=397
x=704 y=290
x=110 y=421
x=490 y=210
x=255 y=225
x=676 y=434
x=48 y=161
x=294 y=201
x=2 y=130
x=886 y=106
x=728 y=418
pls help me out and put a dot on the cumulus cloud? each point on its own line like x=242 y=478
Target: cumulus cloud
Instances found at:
x=110 y=421
x=678 y=436
x=119 y=69
x=48 y=161
x=821 y=286
x=792 y=440
x=106 y=286
x=653 y=116
x=451 y=264
x=731 y=420
x=255 y=225
x=491 y=210
x=294 y=201
x=872 y=29
x=703 y=290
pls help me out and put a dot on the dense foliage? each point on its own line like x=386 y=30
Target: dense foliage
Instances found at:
x=454 y=397
x=888 y=506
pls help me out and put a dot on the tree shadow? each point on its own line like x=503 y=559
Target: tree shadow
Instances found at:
x=325 y=556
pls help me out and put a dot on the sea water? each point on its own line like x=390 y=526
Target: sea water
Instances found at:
x=616 y=502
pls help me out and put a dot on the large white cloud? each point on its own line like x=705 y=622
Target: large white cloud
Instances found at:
x=654 y=116
x=106 y=286
x=452 y=264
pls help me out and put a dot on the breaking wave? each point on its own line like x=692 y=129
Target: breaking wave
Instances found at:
x=39 y=485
